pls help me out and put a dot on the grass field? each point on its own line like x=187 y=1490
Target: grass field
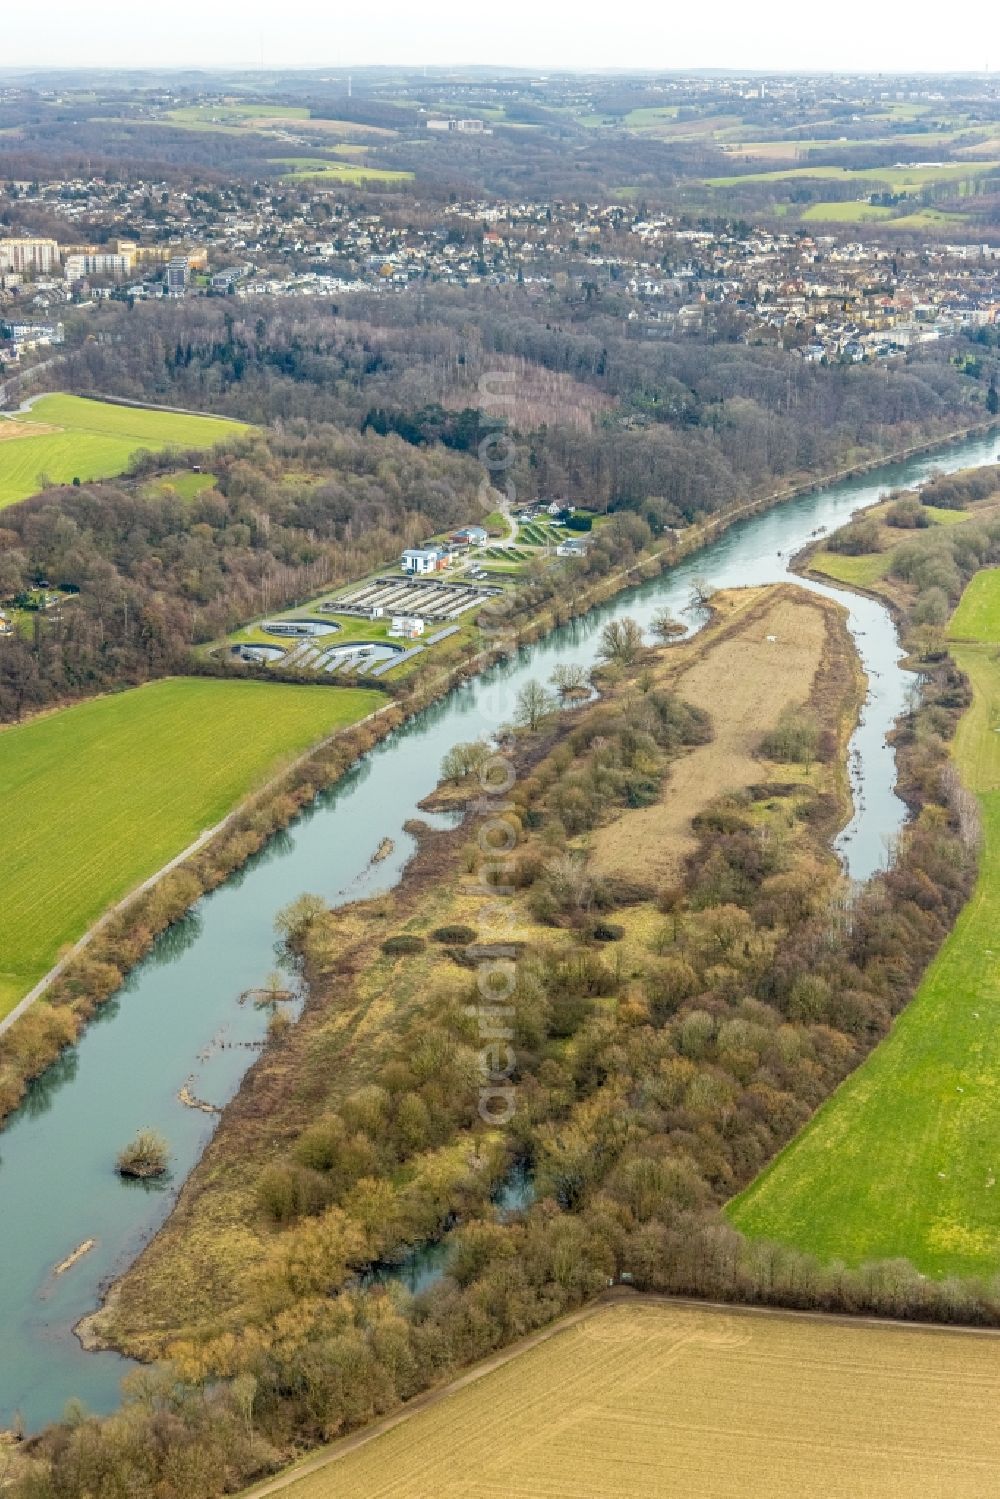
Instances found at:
x=230 y=110
x=863 y=212
x=312 y=169
x=904 y=1159
x=845 y=213
x=341 y=129
x=928 y=218
x=91 y=440
x=674 y=1402
x=95 y=798
x=978 y=614
x=183 y=483
x=859 y=571
x=898 y=179
x=868 y=567
x=942 y=517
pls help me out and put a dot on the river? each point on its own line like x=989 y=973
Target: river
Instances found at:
x=178 y=1019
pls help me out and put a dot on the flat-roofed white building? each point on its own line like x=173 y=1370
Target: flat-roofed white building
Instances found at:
x=28 y=254
x=97 y=263
x=417 y=560
x=406 y=626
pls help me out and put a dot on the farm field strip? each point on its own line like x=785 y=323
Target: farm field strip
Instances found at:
x=307 y=169
x=861 y=211
x=903 y=1159
x=673 y=1400
x=852 y=211
x=64 y=437
x=896 y=178
x=135 y=778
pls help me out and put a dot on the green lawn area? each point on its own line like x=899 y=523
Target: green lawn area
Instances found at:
x=978 y=614
x=97 y=797
x=230 y=109
x=866 y=569
x=929 y=218
x=230 y=116
x=903 y=1159
x=858 y=570
x=845 y=213
x=183 y=483
x=645 y=118
x=312 y=169
x=350 y=629
x=92 y=440
x=942 y=517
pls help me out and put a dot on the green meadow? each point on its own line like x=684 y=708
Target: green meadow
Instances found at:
x=183 y=483
x=897 y=179
x=867 y=568
x=857 y=571
x=97 y=797
x=942 y=517
x=231 y=110
x=319 y=168
x=904 y=1159
x=978 y=614
x=65 y=437
x=845 y=213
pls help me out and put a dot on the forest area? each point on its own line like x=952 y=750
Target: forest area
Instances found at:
x=377 y=420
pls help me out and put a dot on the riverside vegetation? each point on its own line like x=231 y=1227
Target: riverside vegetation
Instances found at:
x=928 y=1094
x=670 y=1037
x=144 y=1157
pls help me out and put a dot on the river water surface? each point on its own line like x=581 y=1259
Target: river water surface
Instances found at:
x=177 y=1018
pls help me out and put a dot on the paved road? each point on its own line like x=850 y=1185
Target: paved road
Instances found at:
x=9 y=387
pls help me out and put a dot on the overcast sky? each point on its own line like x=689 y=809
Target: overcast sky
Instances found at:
x=544 y=34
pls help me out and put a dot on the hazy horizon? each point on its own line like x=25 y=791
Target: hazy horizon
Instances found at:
x=774 y=37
